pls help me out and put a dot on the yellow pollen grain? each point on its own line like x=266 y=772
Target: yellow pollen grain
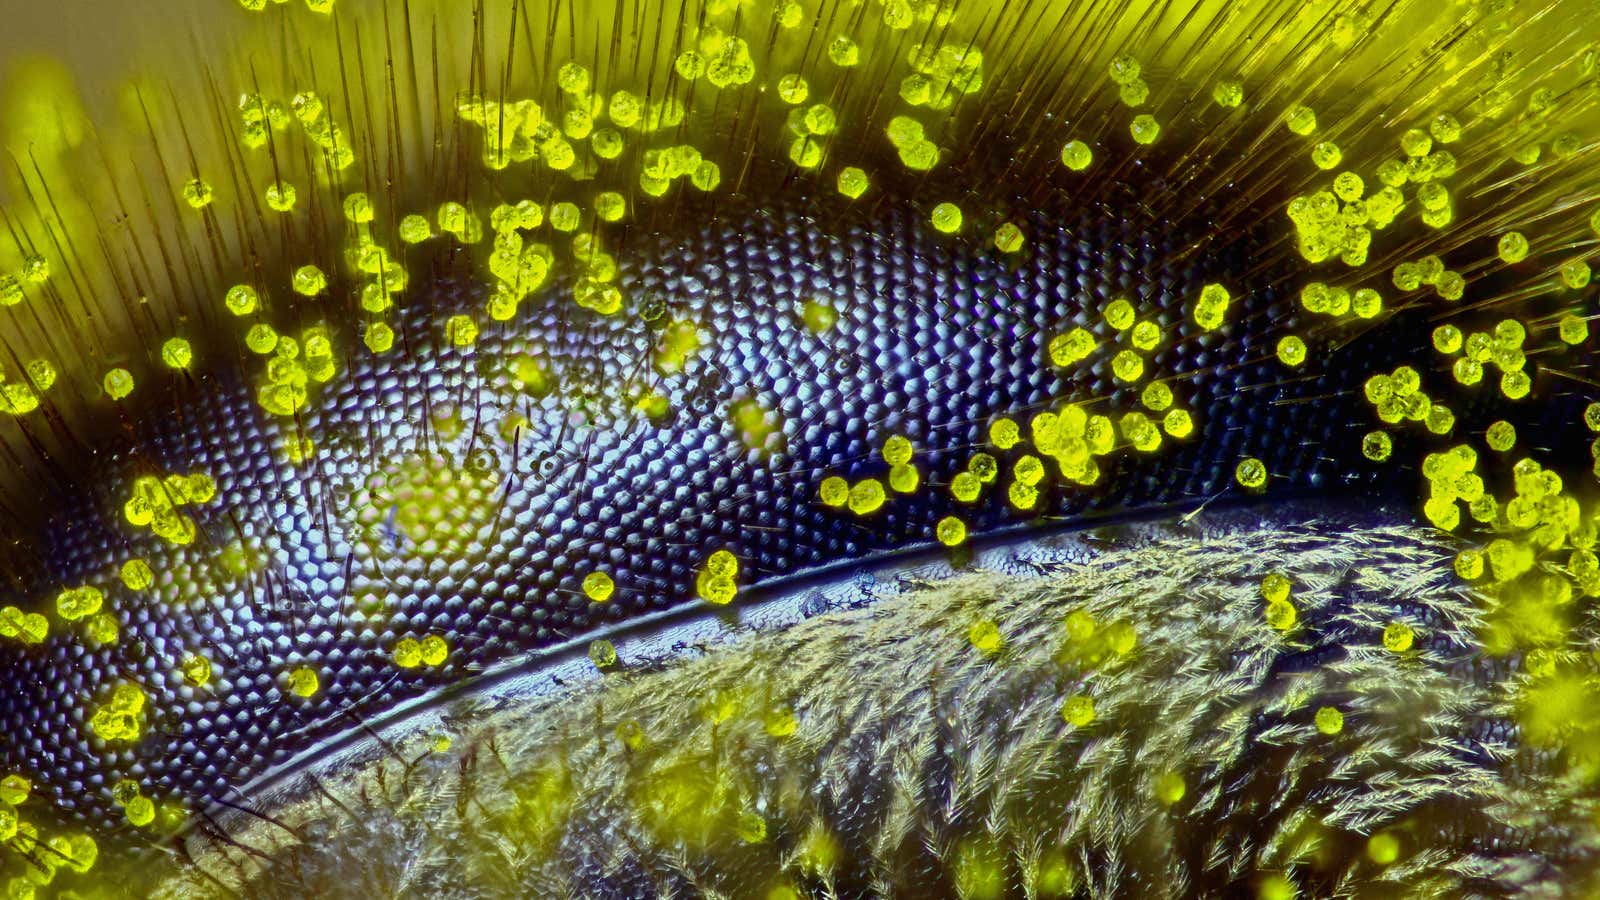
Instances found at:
x=598 y=586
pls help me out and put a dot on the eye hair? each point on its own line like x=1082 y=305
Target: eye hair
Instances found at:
x=923 y=761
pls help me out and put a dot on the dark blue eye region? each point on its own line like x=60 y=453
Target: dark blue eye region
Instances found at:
x=445 y=494
x=794 y=449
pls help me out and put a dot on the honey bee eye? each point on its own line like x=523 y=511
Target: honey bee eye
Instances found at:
x=797 y=448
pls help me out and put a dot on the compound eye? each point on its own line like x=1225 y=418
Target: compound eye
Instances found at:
x=794 y=448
